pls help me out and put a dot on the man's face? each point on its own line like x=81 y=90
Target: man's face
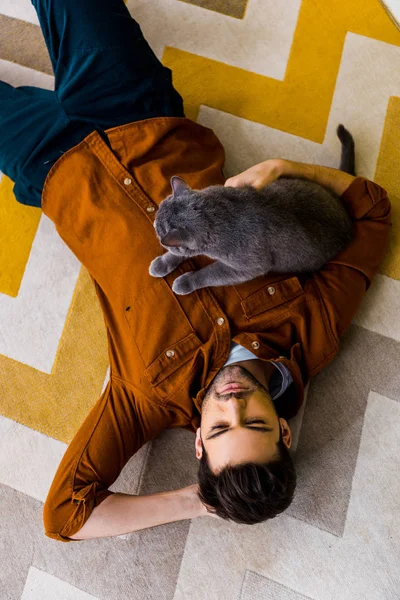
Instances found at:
x=240 y=441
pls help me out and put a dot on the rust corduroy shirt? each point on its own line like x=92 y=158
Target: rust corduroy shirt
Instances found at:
x=165 y=349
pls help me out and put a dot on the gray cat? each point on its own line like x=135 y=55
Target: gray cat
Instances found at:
x=292 y=225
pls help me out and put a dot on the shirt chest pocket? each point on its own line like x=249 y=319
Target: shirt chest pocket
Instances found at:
x=170 y=370
x=268 y=303
x=164 y=337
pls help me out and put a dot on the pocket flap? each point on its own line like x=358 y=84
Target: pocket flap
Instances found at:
x=272 y=295
x=178 y=354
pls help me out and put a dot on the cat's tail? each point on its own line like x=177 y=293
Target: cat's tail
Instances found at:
x=347 y=160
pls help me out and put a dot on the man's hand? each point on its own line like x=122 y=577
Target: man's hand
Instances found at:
x=263 y=174
x=258 y=176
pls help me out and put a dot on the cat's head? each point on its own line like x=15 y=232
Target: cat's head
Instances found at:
x=191 y=222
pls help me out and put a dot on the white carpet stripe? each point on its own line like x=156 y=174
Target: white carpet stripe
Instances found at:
x=28 y=459
x=250 y=143
x=393 y=7
x=32 y=323
x=23 y=9
x=43 y=586
x=259 y=43
x=366 y=80
x=380 y=308
x=17 y=75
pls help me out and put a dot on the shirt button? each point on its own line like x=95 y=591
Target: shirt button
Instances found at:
x=150 y=209
x=271 y=290
x=221 y=321
x=127 y=181
x=255 y=345
x=170 y=353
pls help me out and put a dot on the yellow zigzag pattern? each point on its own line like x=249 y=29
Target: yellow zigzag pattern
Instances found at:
x=299 y=105
x=57 y=404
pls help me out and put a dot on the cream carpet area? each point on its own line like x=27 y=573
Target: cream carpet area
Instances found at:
x=271 y=79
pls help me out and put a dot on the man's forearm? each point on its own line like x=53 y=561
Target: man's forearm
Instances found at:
x=334 y=179
x=121 y=513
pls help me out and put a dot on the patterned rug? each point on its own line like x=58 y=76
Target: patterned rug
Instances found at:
x=272 y=79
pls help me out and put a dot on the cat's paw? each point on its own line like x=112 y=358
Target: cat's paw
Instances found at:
x=184 y=284
x=158 y=268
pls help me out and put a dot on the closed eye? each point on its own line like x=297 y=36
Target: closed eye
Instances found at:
x=220 y=425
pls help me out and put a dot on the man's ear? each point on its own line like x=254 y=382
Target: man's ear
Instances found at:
x=178 y=184
x=286 y=432
x=198 y=446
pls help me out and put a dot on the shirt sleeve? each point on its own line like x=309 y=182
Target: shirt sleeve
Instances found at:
x=115 y=429
x=343 y=281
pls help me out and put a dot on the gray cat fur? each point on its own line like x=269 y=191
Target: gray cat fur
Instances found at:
x=292 y=225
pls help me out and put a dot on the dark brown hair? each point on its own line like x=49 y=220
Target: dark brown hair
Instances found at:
x=249 y=493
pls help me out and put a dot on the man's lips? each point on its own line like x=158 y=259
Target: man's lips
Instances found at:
x=232 y=387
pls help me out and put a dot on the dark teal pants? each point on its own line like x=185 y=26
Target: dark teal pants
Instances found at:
x=105 y=75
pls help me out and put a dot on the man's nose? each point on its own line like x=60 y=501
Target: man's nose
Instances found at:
x=235 y=406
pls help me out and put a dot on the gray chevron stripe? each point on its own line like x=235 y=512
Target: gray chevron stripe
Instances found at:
x=232 y=8
x=23 y=43
x=333 y=418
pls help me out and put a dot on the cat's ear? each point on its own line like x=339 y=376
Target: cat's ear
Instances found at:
x=175 y=237
x=178 y=184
